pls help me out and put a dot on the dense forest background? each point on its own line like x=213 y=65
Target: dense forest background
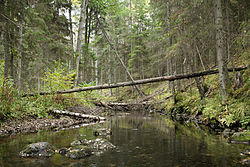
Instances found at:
x=46 y=43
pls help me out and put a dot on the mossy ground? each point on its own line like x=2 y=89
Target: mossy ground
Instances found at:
x=231 y=111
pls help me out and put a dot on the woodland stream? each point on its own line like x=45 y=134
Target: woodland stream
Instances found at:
x=140 y=140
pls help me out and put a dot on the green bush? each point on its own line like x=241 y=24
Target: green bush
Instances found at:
x=58 y=79
x=14 y=106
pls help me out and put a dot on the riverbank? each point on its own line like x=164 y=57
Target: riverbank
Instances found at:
x=52 y=122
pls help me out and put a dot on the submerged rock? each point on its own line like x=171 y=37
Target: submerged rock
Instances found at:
x=96 y=144
x=101 y=145
x=63 y=151
x=78 y=152
x=41 y=149
x=84 y=148
x=76 y=142
x=102 y=132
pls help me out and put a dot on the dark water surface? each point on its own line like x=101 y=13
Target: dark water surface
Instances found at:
x=141 y=141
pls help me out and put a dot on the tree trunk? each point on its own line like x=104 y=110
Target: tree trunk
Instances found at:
x=79 y=39
x=7 y=56
x=19 y=68
x=220 y=49
x=86 y=47
x=229 y=55
x=172 y=82
x=169 y=24
x=96 y=67
x=138 y=82
x=71 y=61
x=121 y=61
x=109 y=72
x=169 y=73
x=170 y=44
x=194 y=67
x=38 y=84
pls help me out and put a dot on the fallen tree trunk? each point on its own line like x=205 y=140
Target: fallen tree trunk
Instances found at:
x=124 y=106
x=120 y=104
x=84 y=116
x=136 y=82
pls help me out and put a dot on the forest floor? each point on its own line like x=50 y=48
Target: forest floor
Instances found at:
x=52 y=122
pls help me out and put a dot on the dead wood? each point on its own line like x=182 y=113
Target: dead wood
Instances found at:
x=83 y=116
x=136 y=82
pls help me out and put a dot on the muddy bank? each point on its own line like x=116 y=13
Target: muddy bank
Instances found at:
x=53 y=122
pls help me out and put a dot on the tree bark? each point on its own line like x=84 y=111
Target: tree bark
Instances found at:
x=137 y=82
x=220 y=49
x=8 y=57
x=229 y=55
x=96 y=67
x=198 y=80
x=19 y=69
x=169 y=24
x=71 y=61
x=172 y=81
x=79 y=39
x=83 y=116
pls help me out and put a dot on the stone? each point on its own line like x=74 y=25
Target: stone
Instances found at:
x=84 y=148
x=78 y=152
x=76 y=142
x=101 y=145
x=63 y=151
x=41 y=149
x=102 y=132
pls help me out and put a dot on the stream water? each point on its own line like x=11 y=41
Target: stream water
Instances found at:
x=141 y=141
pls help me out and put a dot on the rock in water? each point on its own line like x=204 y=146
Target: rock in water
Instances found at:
x=102 y=132
x=76 y=142
x=78 y=152
x=41 y=149
x=102 y=145
x=84 y=148
x=63 y=151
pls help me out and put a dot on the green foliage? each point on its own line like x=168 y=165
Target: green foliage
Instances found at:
x=14 y=106
x=6 y=93
x=1 y=71
x=88 y=96
x=58 y=78
x=228 y=112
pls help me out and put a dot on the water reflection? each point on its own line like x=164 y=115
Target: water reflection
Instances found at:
x=141 y=141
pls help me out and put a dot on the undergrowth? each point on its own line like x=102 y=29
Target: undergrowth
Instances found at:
x=229 y=112
x=13 y=105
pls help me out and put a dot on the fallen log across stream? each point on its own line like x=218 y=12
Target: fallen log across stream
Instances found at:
x=144 y=104
x=136 y=82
